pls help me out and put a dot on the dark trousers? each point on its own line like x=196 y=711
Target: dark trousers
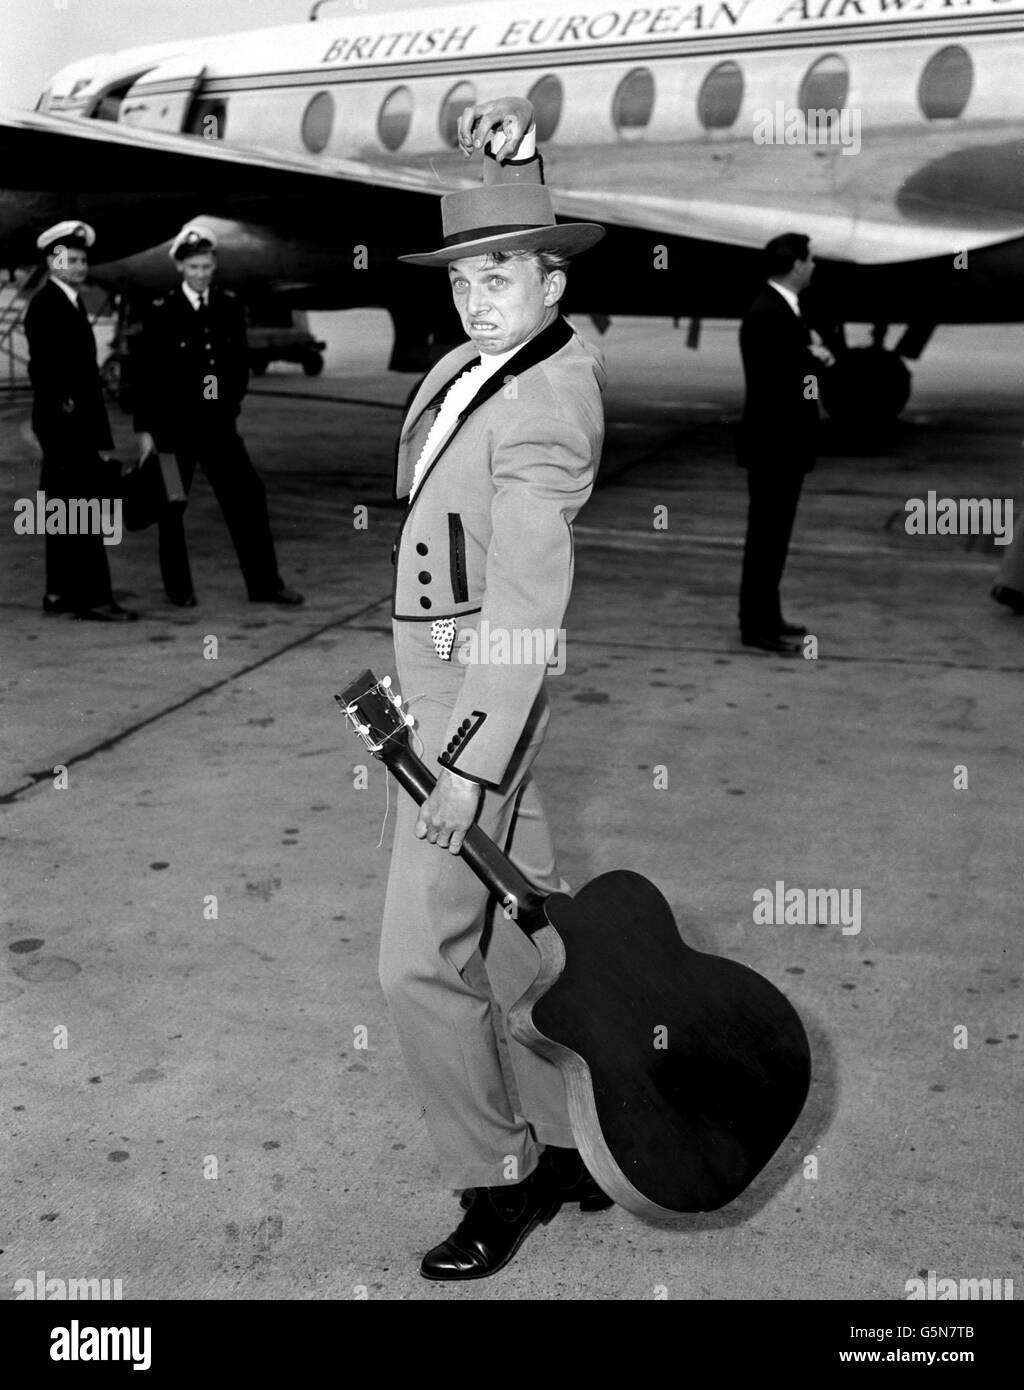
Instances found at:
x=76 y=566
x=243 y=499
x=774 y=495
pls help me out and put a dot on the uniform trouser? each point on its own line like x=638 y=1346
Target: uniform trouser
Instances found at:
x=76 y=566
x=441 y=929
x=239 y=489
x=774 y=495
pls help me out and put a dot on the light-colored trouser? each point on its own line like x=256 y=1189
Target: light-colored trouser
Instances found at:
x=441 y=927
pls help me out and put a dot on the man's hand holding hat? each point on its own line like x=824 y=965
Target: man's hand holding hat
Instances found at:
x=509 y=117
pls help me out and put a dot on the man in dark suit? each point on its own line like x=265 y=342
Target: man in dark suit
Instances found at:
x=778 y=435
x=191 y=373
x=69 y=419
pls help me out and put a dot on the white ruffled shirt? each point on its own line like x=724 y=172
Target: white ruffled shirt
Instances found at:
x=458 y=396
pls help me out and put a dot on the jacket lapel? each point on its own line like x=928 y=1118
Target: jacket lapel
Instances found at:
x=544 y=345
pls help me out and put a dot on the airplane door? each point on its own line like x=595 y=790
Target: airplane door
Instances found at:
x=161 y=98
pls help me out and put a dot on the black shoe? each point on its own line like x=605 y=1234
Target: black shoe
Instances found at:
x=1013 y=598
x=106 y=613
x=283 y=595
x=55 y=603
x=572 y=1180
x=187 y=601
x=792 y=630
x=498 y=1221
x=769 y=642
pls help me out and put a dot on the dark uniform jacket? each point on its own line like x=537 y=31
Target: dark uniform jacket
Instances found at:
x=68 y=412
x=780 y=418
x=189 y=371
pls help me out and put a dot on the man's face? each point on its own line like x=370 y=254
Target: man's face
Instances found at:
x=70 y=264
x=197 y=271
x=503 y=305
x=803 y=270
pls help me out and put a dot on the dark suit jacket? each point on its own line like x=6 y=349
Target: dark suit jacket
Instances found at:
x=173 y=359
x=69 y=416
x=780 y=424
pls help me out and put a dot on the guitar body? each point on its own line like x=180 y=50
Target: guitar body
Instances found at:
x=683 y=1071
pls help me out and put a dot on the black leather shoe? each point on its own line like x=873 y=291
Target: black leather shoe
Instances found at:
x=498 y=1221
x=1013 y=598
x=106 y=613
x=283 y=595
x=792 y=630
x=187 y=601
x=769 y=642
x=572 y=1180
x=54 y=603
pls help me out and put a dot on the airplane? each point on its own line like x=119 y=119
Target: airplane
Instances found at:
x=886 y=130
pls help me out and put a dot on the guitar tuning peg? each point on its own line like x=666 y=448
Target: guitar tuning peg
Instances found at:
x=409 y=720
x=363 y=728
x=386 y=682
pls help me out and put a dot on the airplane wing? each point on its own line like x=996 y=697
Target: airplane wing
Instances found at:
x=141 y=183
x=639 y=189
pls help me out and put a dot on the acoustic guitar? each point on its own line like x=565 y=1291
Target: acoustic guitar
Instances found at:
x=683 y=1071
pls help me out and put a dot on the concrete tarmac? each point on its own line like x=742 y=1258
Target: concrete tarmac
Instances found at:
x=187 y=1103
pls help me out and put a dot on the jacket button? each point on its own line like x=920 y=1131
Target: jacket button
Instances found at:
x=424 y=577
x=421 y=549
x=425 y=602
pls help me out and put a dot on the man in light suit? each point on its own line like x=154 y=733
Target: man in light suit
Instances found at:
x=497 y=455
x=778 y=435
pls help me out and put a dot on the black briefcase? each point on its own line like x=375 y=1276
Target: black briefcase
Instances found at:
x=151 y=490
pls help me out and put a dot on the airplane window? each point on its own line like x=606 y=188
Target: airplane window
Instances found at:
x=546 y=95
x=395 y=118
x=633 y=103
x=318 y=122
x=463 y=94
x=824 y=90
x=721 y=92
x=946 y=83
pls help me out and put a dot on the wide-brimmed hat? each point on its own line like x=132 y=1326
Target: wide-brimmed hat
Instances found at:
x=504 y=217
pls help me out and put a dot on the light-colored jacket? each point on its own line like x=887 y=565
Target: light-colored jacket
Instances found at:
x=489 y=529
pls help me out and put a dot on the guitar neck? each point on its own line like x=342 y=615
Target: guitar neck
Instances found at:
x=522 y=902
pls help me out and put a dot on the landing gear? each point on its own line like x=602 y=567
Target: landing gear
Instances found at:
x=867 y=385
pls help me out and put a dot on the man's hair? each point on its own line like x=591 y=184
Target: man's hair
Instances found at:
x=548 y=261
x=782 y=252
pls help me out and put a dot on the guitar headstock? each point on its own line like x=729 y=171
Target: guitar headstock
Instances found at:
x=375 y=712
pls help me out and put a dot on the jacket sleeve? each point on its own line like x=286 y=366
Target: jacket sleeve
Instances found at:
x=144 y=373
x=49 y=367
x=543 y=472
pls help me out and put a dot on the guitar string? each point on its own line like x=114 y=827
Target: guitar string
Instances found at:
x=387 y=771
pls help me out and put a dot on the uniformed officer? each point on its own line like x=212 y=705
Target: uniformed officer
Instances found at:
x=70 y=421
x=191 y=373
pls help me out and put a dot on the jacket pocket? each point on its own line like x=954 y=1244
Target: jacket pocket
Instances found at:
x=457 y=558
